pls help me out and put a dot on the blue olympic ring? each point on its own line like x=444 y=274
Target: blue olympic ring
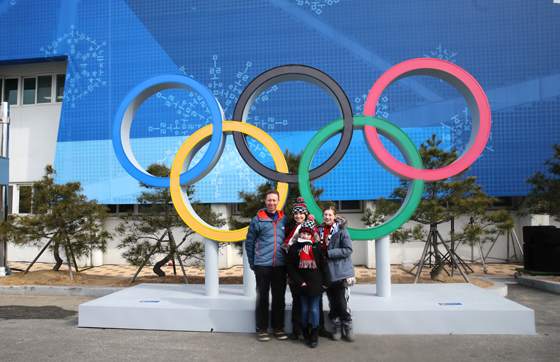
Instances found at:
x=133 y=101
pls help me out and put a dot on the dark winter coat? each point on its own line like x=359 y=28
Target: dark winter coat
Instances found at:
x=339 y=250
x=264 y=240
x=314 y=278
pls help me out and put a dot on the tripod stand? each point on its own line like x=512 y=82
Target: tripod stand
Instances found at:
x=156 y=247
x=461 y=261
x=70 y=258
x=510 y=235
x=431 y=242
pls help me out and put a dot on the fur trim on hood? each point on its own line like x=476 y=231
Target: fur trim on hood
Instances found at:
x=342 y=223
x=316 y=238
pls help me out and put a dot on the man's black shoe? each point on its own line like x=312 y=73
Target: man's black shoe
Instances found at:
x=280 y=334
x=263 y=335
x=324 y=333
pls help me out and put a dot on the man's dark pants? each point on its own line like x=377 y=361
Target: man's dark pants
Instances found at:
x=270 y=277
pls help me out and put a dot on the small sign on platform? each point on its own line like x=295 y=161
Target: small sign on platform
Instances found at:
x=149 y=301
x=450 y=303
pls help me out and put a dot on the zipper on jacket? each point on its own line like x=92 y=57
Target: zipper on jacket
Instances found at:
x=258 y=250
x=275 y=242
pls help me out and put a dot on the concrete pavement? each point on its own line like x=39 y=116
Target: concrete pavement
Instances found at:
x=47 y=331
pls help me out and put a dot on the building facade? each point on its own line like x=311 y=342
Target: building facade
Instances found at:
x=67 y=66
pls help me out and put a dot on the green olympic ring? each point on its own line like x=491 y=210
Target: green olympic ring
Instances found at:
x=405 y=145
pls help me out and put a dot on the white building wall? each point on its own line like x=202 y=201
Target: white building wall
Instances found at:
x=496 y=252
x=33 y=135
x=113 y=253
x=364 y=251
x=33 y=128
x=228 y=253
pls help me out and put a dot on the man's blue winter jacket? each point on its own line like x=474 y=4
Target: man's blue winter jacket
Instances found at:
x=264 y=240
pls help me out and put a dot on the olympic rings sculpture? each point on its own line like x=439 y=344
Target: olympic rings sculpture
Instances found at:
x=371 y=127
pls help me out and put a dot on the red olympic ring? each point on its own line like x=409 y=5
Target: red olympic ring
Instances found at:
x=469 y=89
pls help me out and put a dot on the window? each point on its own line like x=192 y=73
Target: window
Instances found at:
x=112 y=208
x=40 y=89
x=124 y=208
x=60 y=81
x=143 y=208
x=29 y=85
x=235 y=209
x=37 y=89
x=116 y=209
x=349 y=206
x=506 y=202
x=10 y=90
x=44 y=89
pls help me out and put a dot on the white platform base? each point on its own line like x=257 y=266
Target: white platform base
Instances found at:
x=412 y=309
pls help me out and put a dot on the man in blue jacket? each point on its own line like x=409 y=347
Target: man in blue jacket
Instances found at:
x=268 y=261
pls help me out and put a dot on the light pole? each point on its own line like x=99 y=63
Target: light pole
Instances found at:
x=4 y=181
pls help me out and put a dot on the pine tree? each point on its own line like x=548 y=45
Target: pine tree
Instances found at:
x=254 y=201
x=443 y=200
x=544 y=197
x=61 y=218
x=144 y=234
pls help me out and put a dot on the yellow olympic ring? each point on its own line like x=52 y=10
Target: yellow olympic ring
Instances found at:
x=191 y=146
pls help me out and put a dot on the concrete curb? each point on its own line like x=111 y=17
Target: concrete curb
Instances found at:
x=535 y=282
x=92 y=292
x=499 y=288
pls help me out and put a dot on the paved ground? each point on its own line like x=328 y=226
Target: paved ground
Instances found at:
x=35 y=328
x=492 y=270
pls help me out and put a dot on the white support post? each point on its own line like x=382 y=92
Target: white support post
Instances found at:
x=5 y=180
x=211 y=268
x=249 y=282
x=383 y=266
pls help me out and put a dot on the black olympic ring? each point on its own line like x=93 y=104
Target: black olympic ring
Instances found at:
x=286 y=73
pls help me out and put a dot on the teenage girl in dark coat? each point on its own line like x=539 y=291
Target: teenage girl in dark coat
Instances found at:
x=337 y=244
x=309 y=271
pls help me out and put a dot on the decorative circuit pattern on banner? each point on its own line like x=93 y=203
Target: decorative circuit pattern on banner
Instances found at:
x=88 y=56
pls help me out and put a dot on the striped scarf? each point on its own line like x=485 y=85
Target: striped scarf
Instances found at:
x=306 y=258
x=290 y=239
x=326 y=241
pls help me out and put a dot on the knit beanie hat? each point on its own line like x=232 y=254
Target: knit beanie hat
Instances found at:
x=308 y=225
x=300 y=206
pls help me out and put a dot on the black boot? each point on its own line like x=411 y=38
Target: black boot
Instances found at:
x=306 y=335
x=296 y=331
x=324 y=333
x=314 y=337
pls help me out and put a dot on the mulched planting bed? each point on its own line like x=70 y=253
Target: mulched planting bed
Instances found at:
x=61 y=278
